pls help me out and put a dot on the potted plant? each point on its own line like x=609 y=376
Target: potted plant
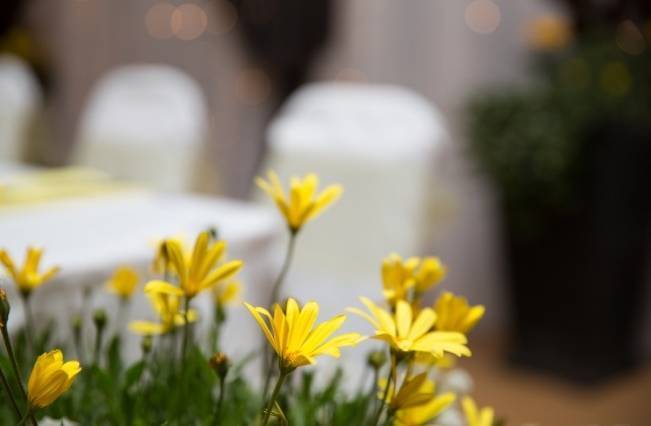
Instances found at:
x=571 y=159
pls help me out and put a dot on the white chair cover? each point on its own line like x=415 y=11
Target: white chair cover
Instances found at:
x=146 y=123
x=21 y=100
x=380 y=143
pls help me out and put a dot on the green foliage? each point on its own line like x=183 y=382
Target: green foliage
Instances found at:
x=160 y=390
x=533 y=141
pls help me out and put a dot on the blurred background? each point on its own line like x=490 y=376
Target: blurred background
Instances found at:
x=511 y=138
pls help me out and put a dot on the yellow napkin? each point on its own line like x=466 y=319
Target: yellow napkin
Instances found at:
x=56 y=184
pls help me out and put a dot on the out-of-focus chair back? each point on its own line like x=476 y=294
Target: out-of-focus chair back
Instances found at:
x=380 y=143
x=145 y=123
x=21 y=100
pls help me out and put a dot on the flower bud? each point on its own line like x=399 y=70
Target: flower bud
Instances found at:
x=214 y=233
x=220 y=364
x=146 y=343
x=76 y=323
x=376 y=359
x=4 y=308
x=100 y=319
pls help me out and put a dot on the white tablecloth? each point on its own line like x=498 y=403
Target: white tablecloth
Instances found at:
x=89 y=237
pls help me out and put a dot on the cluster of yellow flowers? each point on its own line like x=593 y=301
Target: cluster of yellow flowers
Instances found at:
x=417 y=337
x=50 y=376
x=202 y=268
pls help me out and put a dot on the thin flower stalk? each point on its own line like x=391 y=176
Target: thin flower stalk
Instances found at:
x=10 y=395
x=268 y=364
x=393 y=375
x=272 y=400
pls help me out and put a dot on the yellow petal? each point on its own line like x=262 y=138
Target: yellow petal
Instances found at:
x=8 y=264
x=470 y=411
x=475 y=314
x=438 y=342
x=224 y=272
x=302 y=324
x=146 y=328
x=175 y=253
x=328 y=196
x=275 y=183
x=199 y=254
x=50 y=273
x=32 y=259
x=214 y=253
x=158 y=286
x=385 y=320
x=263 y=325
x=364 y=315
x=423 y=323
x=403 y=318
x=331 y=347
x=322 y=332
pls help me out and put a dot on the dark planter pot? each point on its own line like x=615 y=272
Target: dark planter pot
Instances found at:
x=578 y=287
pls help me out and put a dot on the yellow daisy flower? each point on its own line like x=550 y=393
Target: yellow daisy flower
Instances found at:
x=398 y=277
x=454 y=313
x=416 y=403
x=407 y=334
x=226 y=293
x=28 y=277
x=168 y=309
x=302 y=204
x=429 y=273
x=161 y=263
x=200 y=270
x=50 y=378
x=293 y=337
x=474 y=416
x=123 y=282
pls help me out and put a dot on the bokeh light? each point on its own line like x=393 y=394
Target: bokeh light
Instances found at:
x=252 y=86
x=616 y=79
x=548 y=32
x=483 y=16
x=629 y=38
x=225 y=20
x=189 y=21
x=158 y=20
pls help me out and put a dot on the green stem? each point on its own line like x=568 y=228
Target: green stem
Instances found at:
x=389 y=420
x=280 y=279
x=122 y=315
x=274 y=395
x=216 y=333
x=12 y=358
x=76 y=335
x=270 y=372
x=29 y=327
x=5 y=383
x=186 y=330
x=385 y=395
x=220 y=402
x=372 y=392
x=14 y=365
x=268 y=358
x=29 y=415
x=98 y=345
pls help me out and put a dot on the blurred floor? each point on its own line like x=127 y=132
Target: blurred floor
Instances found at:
x=532 y=399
